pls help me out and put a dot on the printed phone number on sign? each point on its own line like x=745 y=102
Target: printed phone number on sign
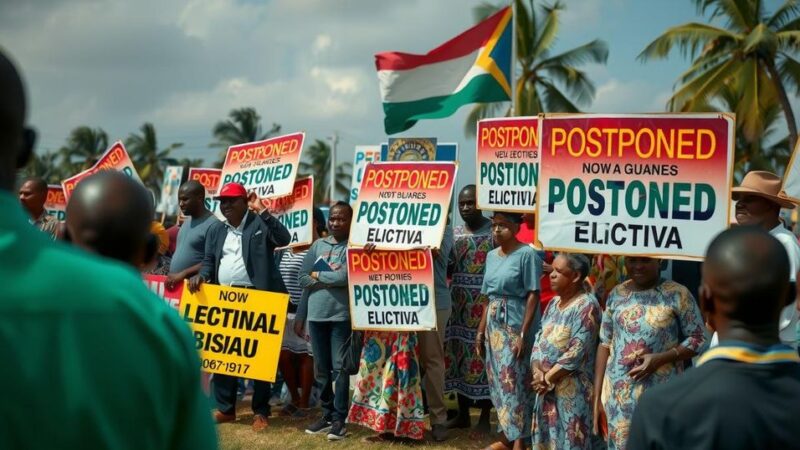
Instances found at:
x=216 y=364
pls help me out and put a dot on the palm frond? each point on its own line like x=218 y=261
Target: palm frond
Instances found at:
x=700 y=88
x=689 y=38
x=546 y=30
x=555 y=100
x=789 y=69
x=787 y=12
x=595 y=51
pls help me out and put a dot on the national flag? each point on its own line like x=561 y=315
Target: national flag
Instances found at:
x=473 y=67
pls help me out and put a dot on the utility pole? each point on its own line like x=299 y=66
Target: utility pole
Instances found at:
x=334 y=140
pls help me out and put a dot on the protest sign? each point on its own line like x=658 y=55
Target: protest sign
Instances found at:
x=296 y=212
x=209 y=178
x=115 y=158
x=508 y=164
x=403 y=205
x=56 y=204
x=169 y=190
x=364 y=154
x=391 y=290
x=411 y=149
x=158 y=284
x=444 y=152
x=267 y=167
x=650 y=185
x=237 y=331
x=791 y=178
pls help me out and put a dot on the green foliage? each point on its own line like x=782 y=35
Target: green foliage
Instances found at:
x=317 y=162
x=547 y=82
x=148 y=159
x=751 y=59
x=242 y=127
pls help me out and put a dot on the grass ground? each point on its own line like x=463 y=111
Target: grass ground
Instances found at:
x=288 y=433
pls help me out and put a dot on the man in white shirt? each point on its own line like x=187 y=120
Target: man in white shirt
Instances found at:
x=759 y=200
x=239 y=252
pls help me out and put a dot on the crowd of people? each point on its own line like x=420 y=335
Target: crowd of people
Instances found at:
x=571 y=351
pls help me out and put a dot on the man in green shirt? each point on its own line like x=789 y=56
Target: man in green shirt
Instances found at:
x=91 y=358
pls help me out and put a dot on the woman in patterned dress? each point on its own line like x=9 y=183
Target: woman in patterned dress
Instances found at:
x=563 y=359
x=388 y=391
x=464 y=368
x=511 y=282
x=650 y=326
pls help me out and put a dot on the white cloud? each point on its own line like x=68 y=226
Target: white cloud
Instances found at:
x=629 y=96
x=321 y=43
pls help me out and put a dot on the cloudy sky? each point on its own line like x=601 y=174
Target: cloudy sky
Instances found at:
x=305 y=64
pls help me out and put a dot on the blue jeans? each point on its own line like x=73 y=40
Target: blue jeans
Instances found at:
x=326 y=340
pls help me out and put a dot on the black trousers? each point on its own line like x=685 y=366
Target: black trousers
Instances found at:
x=225 y=388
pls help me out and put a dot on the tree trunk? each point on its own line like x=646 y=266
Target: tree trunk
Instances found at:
x=784 y=99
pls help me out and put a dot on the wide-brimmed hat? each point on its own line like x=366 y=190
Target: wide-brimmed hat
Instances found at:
x=763 y=184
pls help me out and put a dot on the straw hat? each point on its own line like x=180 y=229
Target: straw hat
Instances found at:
x=763 y=184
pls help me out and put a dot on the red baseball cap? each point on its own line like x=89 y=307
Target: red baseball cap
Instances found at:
x=231 y=190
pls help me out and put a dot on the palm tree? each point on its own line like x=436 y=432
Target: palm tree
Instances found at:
x=84 y=146
x=188 y=163
x=758 y=152
x=242 y=127
x=148 y=159
x=547 y=83
x=318 y=163
x=753 y=54
x=47 y=167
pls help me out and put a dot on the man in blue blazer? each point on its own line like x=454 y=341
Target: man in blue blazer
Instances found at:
x=239 y=252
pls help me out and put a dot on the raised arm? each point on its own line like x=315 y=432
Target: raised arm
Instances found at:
x=277 y=234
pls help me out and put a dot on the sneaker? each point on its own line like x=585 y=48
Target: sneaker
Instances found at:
x=323 y=425
x=338 y=431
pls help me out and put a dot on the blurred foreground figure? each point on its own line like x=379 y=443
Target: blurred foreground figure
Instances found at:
x=91 y=359
x=745 y=393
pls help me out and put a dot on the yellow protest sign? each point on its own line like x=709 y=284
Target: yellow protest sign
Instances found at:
x=237 y=331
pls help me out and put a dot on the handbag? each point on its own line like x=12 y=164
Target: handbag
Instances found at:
x=350 y=353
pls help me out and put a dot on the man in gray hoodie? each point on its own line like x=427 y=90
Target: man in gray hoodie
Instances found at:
x=325 y=305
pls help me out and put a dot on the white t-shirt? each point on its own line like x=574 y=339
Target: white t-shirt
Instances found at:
x=787 y=325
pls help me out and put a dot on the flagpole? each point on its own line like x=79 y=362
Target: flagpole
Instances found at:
x=513 y=70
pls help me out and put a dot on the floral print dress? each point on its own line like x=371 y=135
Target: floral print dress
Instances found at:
x=562 y=418
x=507 y=282
x=388 y=392
x=637 y=323
x=464 y=369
